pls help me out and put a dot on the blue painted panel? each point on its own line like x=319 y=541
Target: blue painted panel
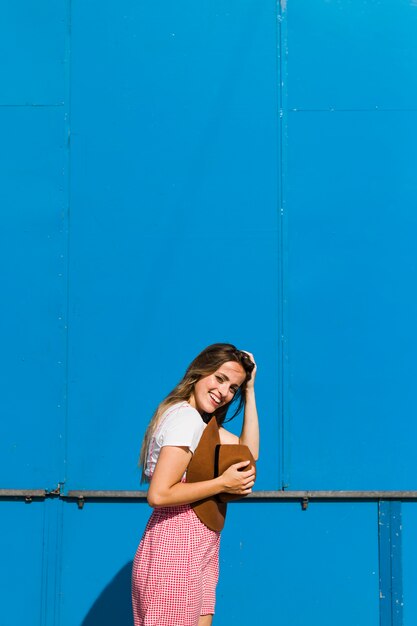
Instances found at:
x=33 y=260
x=352 y=261
x=151 y=351
x=409 y=562
x=174 y=225
x=304 y=568
x=351 y=55
x=102 y=539
x=308 y=564
x=33 y=48
x=22 y=579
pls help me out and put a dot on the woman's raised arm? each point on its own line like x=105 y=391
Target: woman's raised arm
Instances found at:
x=249 y=435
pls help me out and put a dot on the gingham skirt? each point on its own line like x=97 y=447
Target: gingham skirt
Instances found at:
x=175 y=569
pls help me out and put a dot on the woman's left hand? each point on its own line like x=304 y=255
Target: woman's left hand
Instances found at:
x=251 y=382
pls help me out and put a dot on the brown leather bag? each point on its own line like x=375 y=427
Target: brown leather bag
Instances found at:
x=211 y=459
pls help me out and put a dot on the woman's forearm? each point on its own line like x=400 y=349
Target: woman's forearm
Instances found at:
x=184 y=493
x=237 y=479
x=250 y=429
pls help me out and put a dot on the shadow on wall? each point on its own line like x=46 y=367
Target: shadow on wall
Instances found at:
x=114 y=605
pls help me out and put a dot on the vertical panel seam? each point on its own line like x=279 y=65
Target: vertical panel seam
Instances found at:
x=396 y=564
x=59 y=518
x=384 y=564
x=284 y=418
x=280 y=268
x=68 y=135
x=390 y=563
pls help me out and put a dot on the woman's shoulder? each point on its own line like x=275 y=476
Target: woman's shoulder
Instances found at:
x=181 y=425
x=179 y=411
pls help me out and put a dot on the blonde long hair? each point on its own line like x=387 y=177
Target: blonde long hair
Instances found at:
x=207 y=362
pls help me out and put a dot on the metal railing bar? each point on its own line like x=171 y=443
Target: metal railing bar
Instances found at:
x=119 y=494
x=269 y=495
x=335 y=495
x=304 y=496
x=23 y=493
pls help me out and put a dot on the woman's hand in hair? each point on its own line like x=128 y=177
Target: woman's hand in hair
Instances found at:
x=251 y=382
x=237 y=480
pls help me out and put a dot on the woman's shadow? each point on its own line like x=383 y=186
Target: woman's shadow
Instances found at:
x=114 y=604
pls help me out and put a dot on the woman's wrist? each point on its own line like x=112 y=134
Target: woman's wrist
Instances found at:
x=250 y=392
x=220 y=483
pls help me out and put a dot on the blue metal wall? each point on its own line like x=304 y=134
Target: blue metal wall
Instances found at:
x=175 y=174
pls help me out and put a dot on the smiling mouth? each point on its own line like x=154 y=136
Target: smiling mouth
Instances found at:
x=216 y=401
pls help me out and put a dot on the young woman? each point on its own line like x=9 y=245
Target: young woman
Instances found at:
x=175 y=569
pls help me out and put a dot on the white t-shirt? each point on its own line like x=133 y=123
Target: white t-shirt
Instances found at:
x=180 y=425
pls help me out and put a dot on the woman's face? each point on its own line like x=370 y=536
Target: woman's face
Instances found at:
x=217 y=389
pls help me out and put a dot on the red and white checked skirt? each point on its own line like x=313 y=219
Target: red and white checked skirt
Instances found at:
x=175 y=569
